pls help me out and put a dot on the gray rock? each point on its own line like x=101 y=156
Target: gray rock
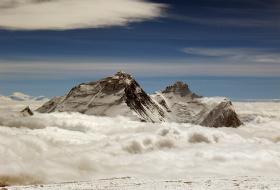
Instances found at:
x=223 y=115
x=180 y=88
x=27 y=112
x=50 y=106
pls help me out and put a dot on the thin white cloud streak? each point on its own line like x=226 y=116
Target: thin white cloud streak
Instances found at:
x=230 y=22
x=240 y=55
x=208 y=62
x=66 y=70
x=73 y=14
x=214 y=51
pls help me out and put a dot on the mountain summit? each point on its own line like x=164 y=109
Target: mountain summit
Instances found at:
x=180 y=88
x=120 y=94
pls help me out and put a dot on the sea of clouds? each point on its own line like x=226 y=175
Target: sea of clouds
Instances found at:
x=61 y=147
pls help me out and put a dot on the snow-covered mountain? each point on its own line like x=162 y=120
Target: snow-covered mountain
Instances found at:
x=18 y=96
x=121 y=95
x=183 y=106
x=112 y=96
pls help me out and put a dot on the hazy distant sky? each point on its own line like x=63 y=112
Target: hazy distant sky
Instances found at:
x=219 y=47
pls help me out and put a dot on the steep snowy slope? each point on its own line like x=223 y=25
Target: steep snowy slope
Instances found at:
x=117 y=95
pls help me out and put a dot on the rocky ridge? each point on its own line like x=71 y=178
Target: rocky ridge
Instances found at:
x=120 y=94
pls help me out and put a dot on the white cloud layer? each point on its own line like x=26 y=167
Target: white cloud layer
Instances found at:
x=72 y=14
x=61 y=147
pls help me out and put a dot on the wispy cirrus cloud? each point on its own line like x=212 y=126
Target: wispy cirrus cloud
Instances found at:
x=73 y=14
x=52 y=69
x=240 y=55
x=227 y=21
x=232 y=13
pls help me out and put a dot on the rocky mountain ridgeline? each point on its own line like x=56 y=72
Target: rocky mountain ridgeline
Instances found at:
x=120 y=94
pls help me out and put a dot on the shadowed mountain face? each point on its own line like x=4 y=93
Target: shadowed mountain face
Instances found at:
x=121 y=95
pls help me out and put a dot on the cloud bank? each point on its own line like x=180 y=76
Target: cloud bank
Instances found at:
x=73 y=14
x=61 y=147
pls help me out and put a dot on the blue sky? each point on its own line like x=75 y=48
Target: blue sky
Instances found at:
x=227 y=48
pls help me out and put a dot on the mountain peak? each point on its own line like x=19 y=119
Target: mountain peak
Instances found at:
x=20 y=96
x=121 y=95
x=27 y=112
x=123 y=74
x=121 y=77
x=116 y=95
x=178 y=88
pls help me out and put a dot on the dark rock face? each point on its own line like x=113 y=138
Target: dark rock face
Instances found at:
x=120 y=94
x=139 y=101
x=27 y=112
x=180 y=88
x=222 y=115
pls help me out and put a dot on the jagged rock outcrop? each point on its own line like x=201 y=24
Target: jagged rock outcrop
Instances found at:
x=180 y=88
x=26 y=112
x=223 y=115
x=112 y=96
x=121 y=95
